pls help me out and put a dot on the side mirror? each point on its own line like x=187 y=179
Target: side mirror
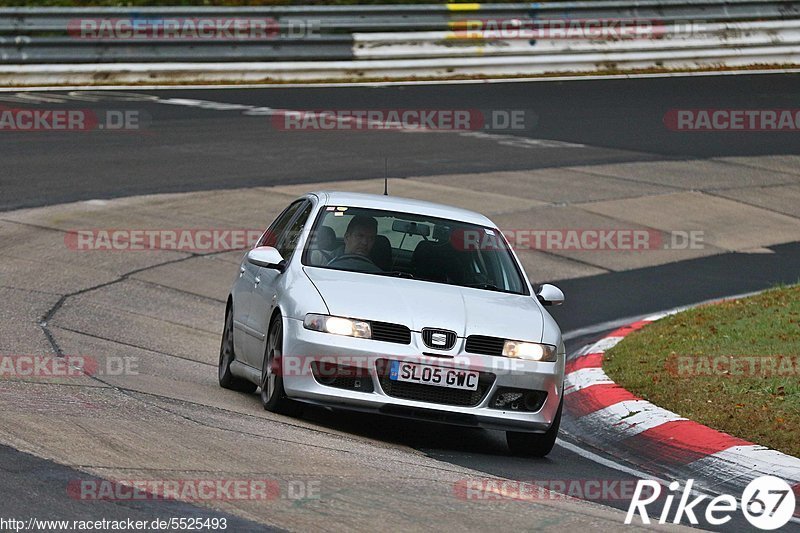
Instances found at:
x=267 y=257
x=550 y=295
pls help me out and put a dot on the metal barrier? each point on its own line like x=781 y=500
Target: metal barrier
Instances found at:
x=306 y=42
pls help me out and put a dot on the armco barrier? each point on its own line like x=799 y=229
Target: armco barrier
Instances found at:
x=50 y=45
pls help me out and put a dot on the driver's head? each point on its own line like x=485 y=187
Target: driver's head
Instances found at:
x=360 y=235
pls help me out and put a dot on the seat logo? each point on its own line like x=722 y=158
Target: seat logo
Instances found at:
x=441 y=339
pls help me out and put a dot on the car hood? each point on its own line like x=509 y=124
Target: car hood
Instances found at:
x=420 y=304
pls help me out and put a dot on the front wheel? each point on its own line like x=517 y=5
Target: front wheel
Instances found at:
x=273 y=395
x=535 y=444
x=227 y=356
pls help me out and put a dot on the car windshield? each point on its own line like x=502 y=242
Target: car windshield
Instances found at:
x=413 y=246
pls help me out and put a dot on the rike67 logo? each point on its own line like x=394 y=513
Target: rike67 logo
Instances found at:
x=767 y=502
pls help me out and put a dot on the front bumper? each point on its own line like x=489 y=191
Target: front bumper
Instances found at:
x=304 y=348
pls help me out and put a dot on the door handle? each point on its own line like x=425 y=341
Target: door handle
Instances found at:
x=241 y=271
x=258 y=280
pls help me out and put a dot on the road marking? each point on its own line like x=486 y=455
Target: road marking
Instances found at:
x=632 y=417
x=584 y=378
x=514 y=141
x=520 y=142
x=606 y=462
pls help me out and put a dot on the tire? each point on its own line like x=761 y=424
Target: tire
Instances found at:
x=227 y=355
x=535 y=444
x=273 y=395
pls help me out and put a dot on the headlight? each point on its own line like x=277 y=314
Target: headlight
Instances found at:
x=338 y=326
x=530 y=351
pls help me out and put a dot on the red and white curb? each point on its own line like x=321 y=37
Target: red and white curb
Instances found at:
x=659 y=441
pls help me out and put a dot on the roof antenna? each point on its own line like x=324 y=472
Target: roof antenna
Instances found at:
x=386 y=176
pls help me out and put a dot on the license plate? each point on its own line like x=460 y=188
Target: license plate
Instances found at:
x=434 y=375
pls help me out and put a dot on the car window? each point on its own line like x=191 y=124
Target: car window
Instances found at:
x=288 y=240
x=417 y=247
x=272 y=236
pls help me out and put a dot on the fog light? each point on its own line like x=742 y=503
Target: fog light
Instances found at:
x=505 y=398
x=534 y=400
x=521 y=400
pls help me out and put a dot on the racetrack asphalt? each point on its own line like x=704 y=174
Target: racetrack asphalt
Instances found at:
x=189 y=148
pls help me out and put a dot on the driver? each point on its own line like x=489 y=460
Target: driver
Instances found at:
x=359 y=238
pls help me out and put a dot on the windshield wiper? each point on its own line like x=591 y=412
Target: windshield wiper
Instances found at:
x=398 y=274
x=487 y=286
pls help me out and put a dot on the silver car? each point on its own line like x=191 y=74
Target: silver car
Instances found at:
x=395 y=306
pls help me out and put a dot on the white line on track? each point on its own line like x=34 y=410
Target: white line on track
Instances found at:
x=607 y=462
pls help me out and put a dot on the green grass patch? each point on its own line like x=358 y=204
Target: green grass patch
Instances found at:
x=733 y=366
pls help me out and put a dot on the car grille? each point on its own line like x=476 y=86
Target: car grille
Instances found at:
x=432 y=393
x=386 y=332
x=427 y=338
x=484 y=345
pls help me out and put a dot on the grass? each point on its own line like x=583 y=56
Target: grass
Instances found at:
x=672 y=362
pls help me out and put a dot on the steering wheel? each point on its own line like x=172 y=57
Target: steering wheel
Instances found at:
x=354 y=257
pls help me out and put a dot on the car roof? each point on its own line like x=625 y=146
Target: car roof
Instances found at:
x=405 y=205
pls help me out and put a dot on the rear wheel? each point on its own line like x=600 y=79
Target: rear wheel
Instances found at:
x=535 y=444
x=273 y=395
x=228 y=356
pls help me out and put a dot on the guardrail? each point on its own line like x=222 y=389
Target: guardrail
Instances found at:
x=305 y=42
